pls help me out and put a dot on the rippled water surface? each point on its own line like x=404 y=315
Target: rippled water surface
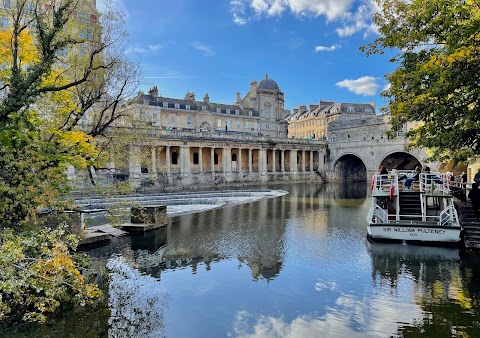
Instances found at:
x=294 y=266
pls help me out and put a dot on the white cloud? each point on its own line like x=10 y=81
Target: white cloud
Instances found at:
x=359 y=21
x=238 y=9
x=387 y=86
x=365 y=85
x=352 y=18
x=143 y=49
x=202 y=48
x=326 y=49
x=331 y=9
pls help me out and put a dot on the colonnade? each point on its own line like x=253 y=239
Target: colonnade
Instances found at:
x=200 y=159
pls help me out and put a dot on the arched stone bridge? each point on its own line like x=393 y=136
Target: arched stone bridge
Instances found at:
x=359 y=160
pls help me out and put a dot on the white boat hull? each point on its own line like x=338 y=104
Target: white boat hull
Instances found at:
x=411 y=232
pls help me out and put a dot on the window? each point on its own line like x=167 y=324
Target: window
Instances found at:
x=165 y=104
x=86 y=34
x=237 y=112
x=82 y=49
x=62 y=52
x=255 y=126
x=204 y=107
x=195 y=158
x=228 y=111
x=250 y=113
x=234 y=157
x=177 y=106
x=267 y=126
x=350 y=109
x=227 y=123
x=246 y=124
x=174 y=158
x=368 y=110
x=189 y=120
x=219 y=110
x=83 y=17
x=3 y=21
x=30 y=7
x=215 y=158
x=219 y=123
x=187 y=107
x=238 y=124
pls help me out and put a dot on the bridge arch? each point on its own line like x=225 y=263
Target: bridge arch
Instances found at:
x=349 y=167
x=400 y=159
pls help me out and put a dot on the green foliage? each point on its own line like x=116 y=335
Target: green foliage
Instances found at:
x=436 y=82
x=39 y=275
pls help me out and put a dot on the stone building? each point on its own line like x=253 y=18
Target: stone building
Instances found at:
x=312 y=122
x=259 y=113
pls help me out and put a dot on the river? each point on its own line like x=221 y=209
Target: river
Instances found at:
x=299 y=265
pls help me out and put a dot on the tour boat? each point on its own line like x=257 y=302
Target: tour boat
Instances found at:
x=422 y=213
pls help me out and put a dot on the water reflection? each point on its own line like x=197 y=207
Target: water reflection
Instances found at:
x=294 y=266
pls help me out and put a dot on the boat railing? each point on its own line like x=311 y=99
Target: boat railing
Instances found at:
x=449 y=216
x=431 y=182
x=384 y=183
x=377 y=215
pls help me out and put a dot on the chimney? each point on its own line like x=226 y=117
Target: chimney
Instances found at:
x=206 y=99
x=153 y=91
x=253 y=87
x=239 y=98
x=190 y=96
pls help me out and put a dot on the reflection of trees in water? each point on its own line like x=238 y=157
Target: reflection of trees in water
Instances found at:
x=442 y=287
x=137 y=303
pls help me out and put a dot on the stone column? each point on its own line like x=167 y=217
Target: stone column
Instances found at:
x=227 y=160
x=185 y=160
x=168 y=160
x=212 y=159
x=311 y=160
x=303 y=160
x=320 y=160
x=200 y=159
x=274 y=161
x=293 y=161
x=250 y=160
x=239 y=162
x=154 y=161
x=263 y=160
x=283 y=161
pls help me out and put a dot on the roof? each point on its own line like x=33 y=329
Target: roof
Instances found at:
x=268 y=83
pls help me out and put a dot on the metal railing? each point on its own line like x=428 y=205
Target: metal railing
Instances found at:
x=377 y=215
x=449 y=217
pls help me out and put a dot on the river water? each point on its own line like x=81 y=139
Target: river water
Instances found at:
x=299 y=265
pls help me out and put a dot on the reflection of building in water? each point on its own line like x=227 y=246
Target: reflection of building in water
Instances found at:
x=253 y=233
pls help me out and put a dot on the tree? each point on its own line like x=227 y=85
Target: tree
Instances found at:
x=60 y=67
x=437 y=80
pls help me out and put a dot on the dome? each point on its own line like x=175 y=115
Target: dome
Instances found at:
x=268 y=83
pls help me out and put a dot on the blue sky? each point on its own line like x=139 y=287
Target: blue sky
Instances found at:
x=310 y=47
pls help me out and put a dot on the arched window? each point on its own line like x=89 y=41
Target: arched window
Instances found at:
x=174 y=158
x=215 y=158
x=195 y=158
x=234 y=157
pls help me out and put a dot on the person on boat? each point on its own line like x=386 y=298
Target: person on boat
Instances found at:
x=476 y=178
x=474 y=196
x=383 y=170
x=416 y=176
x=464 y=187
